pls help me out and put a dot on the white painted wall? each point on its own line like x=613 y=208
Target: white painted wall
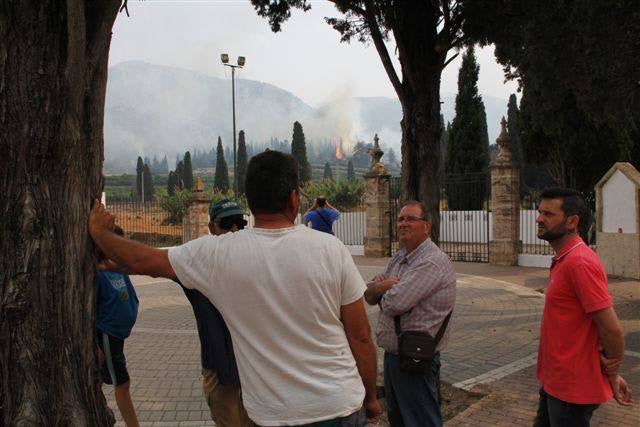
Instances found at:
x=619 y=210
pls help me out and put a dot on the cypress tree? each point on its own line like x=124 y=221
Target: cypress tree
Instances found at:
x=179 y=175
x=188 y=171
x=171 y=184
x=139 y=170
x=242 y=162
x=351 y=173
x=444 y=139
x=513 y=129
x=148 y=184
x=299 y=151
x=328 y=172
x=221 y=178
x=468 y=145
x=164 y=166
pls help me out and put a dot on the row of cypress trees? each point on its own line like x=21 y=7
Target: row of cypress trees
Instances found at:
x=144 y=181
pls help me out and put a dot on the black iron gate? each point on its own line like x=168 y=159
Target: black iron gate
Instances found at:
x=464 y=216
x=395 y=202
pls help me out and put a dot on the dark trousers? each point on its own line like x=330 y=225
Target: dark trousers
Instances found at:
x=357 y=419
x=412 y=399
x=554 y=412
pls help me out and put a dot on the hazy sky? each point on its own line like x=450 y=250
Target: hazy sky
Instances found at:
x=305 y=58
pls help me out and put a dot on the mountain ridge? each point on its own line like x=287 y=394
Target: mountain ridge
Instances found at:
x=162 y=110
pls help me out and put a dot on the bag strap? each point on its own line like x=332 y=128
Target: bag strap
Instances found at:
x=323 y=218
x=438 y=336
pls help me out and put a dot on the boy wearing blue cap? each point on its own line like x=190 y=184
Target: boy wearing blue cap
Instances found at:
x=220 y=381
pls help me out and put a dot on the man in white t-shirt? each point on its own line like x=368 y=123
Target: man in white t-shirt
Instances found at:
x=291 y=297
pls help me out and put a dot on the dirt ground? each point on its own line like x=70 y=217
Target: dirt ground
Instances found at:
x=146 y=219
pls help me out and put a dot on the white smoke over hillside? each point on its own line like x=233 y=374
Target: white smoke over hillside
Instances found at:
x=156 y=110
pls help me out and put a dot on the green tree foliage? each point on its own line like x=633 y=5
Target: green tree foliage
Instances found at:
x=179 y=175
x=351 y=173
x=175 y=205
x=139 y=170
x=468 y=145
x=344 y=196
x=533 y=176
x=188 y=171
x=147 y=179
x=513 y=129
x=299 y=151
x=221 y=180
x=328 y=172
x=444 y=141
x=578 y=65
x=171 y=184
x=242 y=161
x=424 y=32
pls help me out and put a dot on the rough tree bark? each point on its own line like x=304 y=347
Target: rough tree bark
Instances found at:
x=422 y=52
x=53 y=73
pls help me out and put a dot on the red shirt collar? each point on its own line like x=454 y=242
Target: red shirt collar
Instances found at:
x=568 y=247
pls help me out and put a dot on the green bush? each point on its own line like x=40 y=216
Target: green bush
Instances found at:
x=344 y=196
x=175 y=206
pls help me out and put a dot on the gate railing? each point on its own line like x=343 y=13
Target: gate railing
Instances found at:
x=145 y=222
x=464 y=216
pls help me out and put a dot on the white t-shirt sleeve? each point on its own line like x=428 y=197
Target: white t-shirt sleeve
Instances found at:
x=353 y=286
x=192 y=262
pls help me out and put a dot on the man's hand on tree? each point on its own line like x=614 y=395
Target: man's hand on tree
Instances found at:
x=100 y=219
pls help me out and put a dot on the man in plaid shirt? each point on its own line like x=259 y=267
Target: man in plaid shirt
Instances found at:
x=419 y=285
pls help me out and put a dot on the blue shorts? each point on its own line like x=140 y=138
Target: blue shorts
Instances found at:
x=114 y=368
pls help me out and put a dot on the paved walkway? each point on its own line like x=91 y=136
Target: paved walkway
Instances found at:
x=492 y=348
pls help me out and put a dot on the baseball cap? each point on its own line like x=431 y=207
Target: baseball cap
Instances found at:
x=224 y=208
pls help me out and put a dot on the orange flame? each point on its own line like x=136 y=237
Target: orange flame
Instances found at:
x=339 y=154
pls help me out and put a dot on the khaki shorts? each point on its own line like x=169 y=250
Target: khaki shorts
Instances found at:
x=225 y=401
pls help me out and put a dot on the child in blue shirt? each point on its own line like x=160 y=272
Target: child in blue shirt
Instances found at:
x=117 y=309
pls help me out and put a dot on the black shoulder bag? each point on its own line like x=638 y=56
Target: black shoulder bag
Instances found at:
x=416 y=349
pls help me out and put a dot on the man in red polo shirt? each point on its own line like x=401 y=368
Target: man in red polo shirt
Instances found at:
x=581 y=341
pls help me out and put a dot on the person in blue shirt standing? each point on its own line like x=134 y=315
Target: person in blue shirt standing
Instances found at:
x=117 y=310
x=220 y=380
x=321 y=215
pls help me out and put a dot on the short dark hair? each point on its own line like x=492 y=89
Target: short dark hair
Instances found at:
x=423 y=208
x=321 y=201
x=572 y=204
x=270 y=178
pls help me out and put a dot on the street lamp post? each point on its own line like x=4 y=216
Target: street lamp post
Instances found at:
x=225 y=61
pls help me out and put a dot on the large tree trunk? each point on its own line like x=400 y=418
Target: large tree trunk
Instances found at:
x=53 y=73
x=422 y=61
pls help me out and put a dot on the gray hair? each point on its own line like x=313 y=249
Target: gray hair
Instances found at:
x=423 y=208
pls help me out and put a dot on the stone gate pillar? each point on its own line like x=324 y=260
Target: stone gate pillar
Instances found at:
x=377 y=240
x=505 y=204
x=196 y=222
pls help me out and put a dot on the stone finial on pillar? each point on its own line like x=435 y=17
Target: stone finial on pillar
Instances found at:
x=377 y=240
x=196 y=222
x=505 y=204
x=504 y=155
x=377 y=168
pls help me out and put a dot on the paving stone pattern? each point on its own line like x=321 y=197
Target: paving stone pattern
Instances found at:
x=493 y=345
